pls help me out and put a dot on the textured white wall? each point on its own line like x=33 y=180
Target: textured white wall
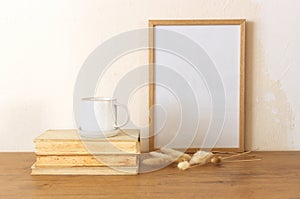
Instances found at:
x=44 y=43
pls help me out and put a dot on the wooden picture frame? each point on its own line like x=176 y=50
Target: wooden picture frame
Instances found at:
x=240 y=24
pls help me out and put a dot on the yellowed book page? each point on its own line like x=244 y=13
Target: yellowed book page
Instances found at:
x=84 y=148
x=35 y=170
x=124 y=135
x=87 y=160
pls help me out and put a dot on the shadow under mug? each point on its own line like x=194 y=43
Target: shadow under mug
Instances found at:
x=99 y=117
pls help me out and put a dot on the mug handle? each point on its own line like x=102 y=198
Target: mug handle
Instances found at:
x=117 y=126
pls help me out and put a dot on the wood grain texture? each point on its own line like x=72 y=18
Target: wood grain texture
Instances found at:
x=276 y=176
x=171 y=22
x=242 y=84
x=151 y=86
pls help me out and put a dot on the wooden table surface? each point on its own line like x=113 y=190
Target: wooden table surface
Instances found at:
x=276 y=176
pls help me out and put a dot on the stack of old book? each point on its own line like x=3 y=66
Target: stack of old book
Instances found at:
x=65 y=152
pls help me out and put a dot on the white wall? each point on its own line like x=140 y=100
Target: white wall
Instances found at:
x=44 y=43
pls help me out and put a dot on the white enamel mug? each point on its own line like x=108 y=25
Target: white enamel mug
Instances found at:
x=98 y=117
